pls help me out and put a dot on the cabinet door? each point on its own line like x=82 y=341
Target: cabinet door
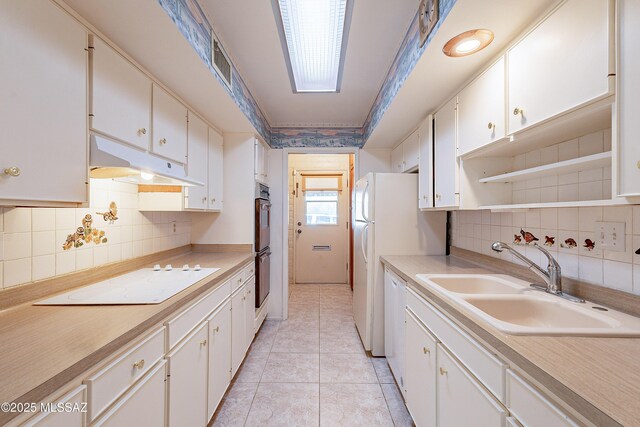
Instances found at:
x=121 y=96
x=169 y=126
x=562 y=64
x=446 y=162
x=144 y=404
x=238 y=328
x=250 y=311
x=390 y=306
x=481 y=110
x=63 y=418
x=420 y=372
x=43 y=107
x=425 y=172
x=461 y=399
x=216 y=165
x=628 y=94
x=219 y=356
x=411 y=152
x=396 y=159
x=188 y=380
x=197 y=163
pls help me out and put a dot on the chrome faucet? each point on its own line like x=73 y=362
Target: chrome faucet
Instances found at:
x=553 y=275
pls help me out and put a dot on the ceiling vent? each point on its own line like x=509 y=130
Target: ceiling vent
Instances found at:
x=221 y=61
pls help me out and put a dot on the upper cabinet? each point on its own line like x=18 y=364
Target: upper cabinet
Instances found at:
x=560 y=65
x=198 y=138
x=215 y=171
x=481 y=110
x=425 y=171
x=43 y=112
x=406 y=156
x=261 y=160
x=121 y=96
x=169 y=126
x=445 y=156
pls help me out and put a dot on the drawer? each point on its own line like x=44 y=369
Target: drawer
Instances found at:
x=180 y=325
x=485 y=366
x=242 y=276
x=75 y=418
x=530 y=407
x=107 y=385
x=143 y=405
x=248 y=272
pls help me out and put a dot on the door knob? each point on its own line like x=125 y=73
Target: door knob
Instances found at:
x=299 y=223
x=299 y=231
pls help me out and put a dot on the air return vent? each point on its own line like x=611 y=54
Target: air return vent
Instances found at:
x=221 y=61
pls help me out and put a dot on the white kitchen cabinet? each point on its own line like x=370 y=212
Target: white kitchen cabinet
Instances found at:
x=560 y=65
x=219 y=356
x=628 y=98
x=394 y=302
x=187 y=391
x=144 y=404
x=76 y=399
x=406 y=156
x=396 y=159
x=43 y=112
x=238 y=328
x=446 y=167
x=250 y=312
x=169 y=126
x=261 y=161
x=197 y=163
x=425 y=170
x=420 y=376
x=121 y=96
x=462 y=401
x=481 y=110
x=216 y=171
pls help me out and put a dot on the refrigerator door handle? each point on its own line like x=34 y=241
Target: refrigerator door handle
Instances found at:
x=364 y=252
x=364 y=193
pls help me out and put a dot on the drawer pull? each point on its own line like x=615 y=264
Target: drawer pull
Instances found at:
x=12 y=171
x=203 y=343
x=425 y=350
x=139 y=364
x=443 y=371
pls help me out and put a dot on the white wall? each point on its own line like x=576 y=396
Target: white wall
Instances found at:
x=235 y=224
x=373 y=160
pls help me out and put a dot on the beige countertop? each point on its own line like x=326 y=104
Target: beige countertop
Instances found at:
x=598 y=377
x=42 y=348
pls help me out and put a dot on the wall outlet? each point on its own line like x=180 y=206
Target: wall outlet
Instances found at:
x=611 y=235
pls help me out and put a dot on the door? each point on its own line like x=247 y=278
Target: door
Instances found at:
x=121 y=97
x=321 y=227
x=238 y=328
x=169 y=126
x=446 y=162
x=197 y=165
x=457 y=389
x=219 y=356
x=43 y=103
x=249 y=312
x=215 y=176
x=420 y=372
x=363 y=250
x=188 y=380
x=425 y=171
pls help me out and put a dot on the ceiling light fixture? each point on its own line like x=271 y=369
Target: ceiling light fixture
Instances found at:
x=468 y=43
x=314 y=31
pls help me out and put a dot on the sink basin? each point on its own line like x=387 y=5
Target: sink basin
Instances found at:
x=473 y=283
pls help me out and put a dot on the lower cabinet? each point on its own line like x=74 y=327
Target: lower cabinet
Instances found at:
x=187 y=392
x=394 y=335
x=238 y=328
x=64 y=418
x=461 y=399
x=250 y=312
x=219 y=356
x=420 y=368
x=144 y=404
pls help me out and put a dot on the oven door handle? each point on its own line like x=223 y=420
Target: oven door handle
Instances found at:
x=263 y=256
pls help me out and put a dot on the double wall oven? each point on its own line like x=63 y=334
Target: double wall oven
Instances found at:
x=263 y=220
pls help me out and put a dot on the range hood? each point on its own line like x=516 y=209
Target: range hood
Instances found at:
x=111 y=159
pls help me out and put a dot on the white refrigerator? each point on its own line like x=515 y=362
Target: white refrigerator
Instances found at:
x=387 y=222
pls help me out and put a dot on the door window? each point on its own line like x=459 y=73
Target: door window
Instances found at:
x=321 y=207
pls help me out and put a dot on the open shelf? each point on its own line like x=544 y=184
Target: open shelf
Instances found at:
x=578 y=164
x=570 y=204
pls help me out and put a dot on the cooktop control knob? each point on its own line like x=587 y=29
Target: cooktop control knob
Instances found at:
x=168 y=267
x=157 y=267
x=185 y=267
x=197 y=267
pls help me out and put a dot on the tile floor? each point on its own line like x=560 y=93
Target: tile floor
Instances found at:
x=311 y=370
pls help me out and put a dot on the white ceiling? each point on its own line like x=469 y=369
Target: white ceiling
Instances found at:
x=248 y=31
x=436 y=77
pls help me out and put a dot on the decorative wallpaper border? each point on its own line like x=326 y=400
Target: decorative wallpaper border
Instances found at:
x=194 y=25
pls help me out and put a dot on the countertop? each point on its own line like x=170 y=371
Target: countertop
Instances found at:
x=597 y=377
x=45 y=347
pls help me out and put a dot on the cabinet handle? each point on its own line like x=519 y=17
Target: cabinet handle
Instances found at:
x=425 y=350
x=139 y=364
x=213 y=200
x=12 y=171
x=142 y=131
x=163 y=141
x=203 y=343
x=517 y=111
x=443 y=371
x=204 y=199
x=438 y=196
x=217 y=329
x=491 y=125
x=638 y=164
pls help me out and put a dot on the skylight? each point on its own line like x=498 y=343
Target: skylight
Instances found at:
x=314 y=31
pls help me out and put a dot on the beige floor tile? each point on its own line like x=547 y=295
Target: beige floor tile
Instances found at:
x=381 y=366
x=278 y=404
x=347 y=368
x=397 y=408
x=296 y=341
x=292 y=368
x=341 y=341
x=235 y=405
x=353 y=405
x=251 y=369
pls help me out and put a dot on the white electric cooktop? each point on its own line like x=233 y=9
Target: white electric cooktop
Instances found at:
x=145 y=286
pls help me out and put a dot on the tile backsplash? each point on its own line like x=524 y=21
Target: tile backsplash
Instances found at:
x=568 y=233
x=32 y=239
